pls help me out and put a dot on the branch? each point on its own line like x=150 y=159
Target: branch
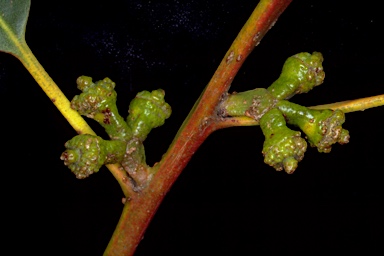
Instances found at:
x=201 y=121
x=345 y=106
x=354 y=105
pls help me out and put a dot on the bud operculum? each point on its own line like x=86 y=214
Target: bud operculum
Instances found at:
x=300 y=74
x=283 y=148
x=86 y=153
x=147 y=110
x=323 y=128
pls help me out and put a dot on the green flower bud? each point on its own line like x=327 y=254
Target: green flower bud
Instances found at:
x=283 y=147
x=84 y=82
x=86 y=153
x=254 y=103
x=322 y=127
x=326 y=130
x=98 y=101
x=300 y=74
x=95 y=96
x=147 y=110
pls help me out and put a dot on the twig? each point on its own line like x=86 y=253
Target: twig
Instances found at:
x=354 y=105
x=345 y=106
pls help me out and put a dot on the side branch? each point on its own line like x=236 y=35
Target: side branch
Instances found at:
x=354 y=105
x=345 y=106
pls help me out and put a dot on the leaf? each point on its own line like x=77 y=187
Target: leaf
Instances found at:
x=13 y=20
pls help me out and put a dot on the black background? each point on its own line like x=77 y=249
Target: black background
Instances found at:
x=227 y=201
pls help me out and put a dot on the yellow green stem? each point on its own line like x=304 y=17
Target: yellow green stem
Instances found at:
x=52 y=90
x=354 y=105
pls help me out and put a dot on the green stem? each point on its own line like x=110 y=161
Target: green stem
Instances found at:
x=53 y=91
x=354 y=105
x=198 y=125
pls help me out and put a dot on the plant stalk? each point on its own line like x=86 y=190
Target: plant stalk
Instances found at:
x=345 y=106
x=354 y=105
x=200 y=122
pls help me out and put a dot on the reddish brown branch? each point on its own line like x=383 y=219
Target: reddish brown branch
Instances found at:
x=196 y=128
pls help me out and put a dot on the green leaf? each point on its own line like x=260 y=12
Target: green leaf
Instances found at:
x=13 y=20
